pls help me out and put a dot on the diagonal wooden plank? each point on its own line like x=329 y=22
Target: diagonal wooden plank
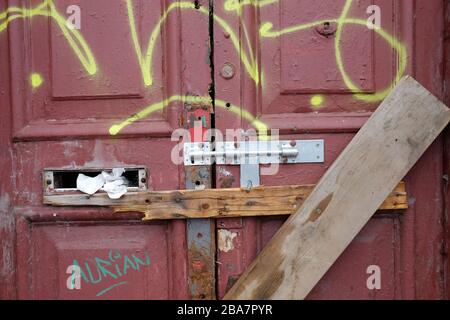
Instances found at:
x=379 y=156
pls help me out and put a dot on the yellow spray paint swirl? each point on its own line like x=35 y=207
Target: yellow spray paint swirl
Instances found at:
x=83 y=52
x=265 y=31
x=74 y=38
x=252 y=68
x=259 y=125
x=236 y=5
x=146 y=60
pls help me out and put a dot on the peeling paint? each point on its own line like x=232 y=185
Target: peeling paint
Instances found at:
x=225 y=240
x=71 y=148
x=4 y=203
x=103 y=155
x=226 y=178
x=224 y=172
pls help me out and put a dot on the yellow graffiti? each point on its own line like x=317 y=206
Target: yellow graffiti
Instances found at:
x=48 y=9
x=145 y=60
x=36 y=80
x=265 y=31
x=317 y=100
x=236 y=5
x=398 y=47
x=247 y=56
x=251 y=64
x=257 y=124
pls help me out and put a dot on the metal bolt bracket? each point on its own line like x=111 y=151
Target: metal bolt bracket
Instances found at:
x=254 y=152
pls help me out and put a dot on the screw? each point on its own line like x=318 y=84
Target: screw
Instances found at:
x=326 y=29
x=227 y=71
x=143 y=180
x=293 y=143
x=48 y=182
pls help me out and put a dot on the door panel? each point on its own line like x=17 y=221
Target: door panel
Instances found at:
x=106 y=95
x=87 y=235
x=291 y=70
x=89 y=79
x=139 y=261
x=375 y=245
x=310 y=84
x=295 y=77
x=110 y=95
x=297 y=66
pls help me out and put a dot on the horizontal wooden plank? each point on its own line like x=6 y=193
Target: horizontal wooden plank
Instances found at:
x=212 y=203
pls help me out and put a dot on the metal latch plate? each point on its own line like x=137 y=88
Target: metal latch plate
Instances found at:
x=260 y=152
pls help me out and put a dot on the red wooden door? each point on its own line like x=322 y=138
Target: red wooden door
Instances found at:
x=315 y=70
x=75 y=75
x=108 y=92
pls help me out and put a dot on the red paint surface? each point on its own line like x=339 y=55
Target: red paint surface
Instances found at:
x=407 y=246
x=445 y=215
x=65 y=124
x=67 y=119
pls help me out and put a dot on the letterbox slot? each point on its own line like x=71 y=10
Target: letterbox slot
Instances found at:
x=62 y=180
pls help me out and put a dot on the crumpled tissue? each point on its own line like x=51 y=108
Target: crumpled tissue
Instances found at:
x=114 y=184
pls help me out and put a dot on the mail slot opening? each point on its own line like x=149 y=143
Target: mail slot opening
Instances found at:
x=66 y=180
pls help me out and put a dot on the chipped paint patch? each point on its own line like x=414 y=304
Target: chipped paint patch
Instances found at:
x=226 y=178
x=224 y=172
x=225 y=240
x=4 y=202
x=71 y=148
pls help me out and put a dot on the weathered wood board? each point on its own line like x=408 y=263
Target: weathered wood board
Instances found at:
x=349 y=193
x=213 y=203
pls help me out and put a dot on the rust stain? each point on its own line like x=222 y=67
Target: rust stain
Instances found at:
x=226 y=182
x=198 y=265
x=201 y=281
